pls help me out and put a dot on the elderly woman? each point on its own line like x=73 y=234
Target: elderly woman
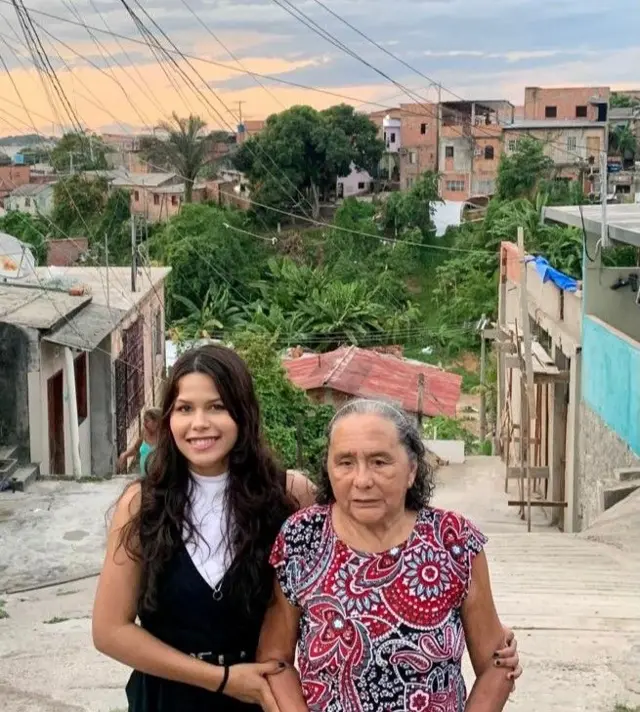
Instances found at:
x=377 y=589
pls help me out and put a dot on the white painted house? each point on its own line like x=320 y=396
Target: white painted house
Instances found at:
x=32 y=198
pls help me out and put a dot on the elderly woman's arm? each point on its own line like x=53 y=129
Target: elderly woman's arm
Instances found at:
x=278 y=640
x=485 y=636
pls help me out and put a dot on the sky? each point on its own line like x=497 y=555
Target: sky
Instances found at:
x=475 y=50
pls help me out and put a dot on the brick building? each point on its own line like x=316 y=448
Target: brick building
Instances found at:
x=565 y=103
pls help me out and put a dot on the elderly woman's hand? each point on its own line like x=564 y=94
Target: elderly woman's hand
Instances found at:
x=508 y=657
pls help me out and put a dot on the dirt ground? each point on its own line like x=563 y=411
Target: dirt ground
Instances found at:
x=573 y=602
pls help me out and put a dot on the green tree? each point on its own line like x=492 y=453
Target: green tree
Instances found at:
x=294 y=426
x=520 y=173
x=202 y=249
x=217 y=312
x=624 y=142
x=30 y=229
x=295 y=161
x=78 y=202
x=413 y=209
x=185 y=151
x=4 y=159
x=620 y=100
x=79 y=152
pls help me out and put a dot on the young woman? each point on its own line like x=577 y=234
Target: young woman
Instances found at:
x=189 y=545
x=146 y=443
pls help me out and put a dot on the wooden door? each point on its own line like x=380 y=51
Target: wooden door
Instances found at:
x=593 y=148
x=56 y=424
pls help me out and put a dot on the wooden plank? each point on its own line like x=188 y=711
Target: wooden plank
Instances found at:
x=528 y=365
x=536 y=503
x=537 y=473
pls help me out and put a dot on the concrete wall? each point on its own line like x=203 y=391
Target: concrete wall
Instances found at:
x=101 y=386
x=616 y=308
x=611 y=379
x=565 y=99
x=586 y=142
x=14 y=393
x=601 y=451
x=351 y=183
x=147 y=310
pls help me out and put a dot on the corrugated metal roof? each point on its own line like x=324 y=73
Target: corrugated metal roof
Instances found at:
x=367 y=374
x=30 y=189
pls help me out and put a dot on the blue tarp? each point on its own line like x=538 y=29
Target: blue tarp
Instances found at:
x=549 y=273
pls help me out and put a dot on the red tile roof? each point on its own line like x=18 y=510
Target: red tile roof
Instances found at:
x=367 y=374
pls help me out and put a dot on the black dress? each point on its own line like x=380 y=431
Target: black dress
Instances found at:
x=190 y=619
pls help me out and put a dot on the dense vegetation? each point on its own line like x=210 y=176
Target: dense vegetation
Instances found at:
x=375 y=274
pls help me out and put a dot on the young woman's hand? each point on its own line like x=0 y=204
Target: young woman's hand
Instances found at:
x=508 y=657
x=247 y=683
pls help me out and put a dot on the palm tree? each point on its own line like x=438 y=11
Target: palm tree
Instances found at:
x=625 y=142
x=185 y=150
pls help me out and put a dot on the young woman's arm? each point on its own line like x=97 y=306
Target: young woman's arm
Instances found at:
x=485 y=636
x=278 y=641
x=116 y=634
x=131 y=452
x=301 y=487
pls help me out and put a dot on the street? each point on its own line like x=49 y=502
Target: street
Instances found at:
x=573 y=602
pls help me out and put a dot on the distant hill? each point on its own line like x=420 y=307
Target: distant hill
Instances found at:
x=24 y=140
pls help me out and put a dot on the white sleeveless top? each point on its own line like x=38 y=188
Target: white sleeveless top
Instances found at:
x=208 y=551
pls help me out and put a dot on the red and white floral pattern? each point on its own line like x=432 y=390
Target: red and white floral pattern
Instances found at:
x=379 y=632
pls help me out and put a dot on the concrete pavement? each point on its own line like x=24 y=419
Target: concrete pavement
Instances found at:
x=575 y=603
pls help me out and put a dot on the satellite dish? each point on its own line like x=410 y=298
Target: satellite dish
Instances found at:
x=16 y=258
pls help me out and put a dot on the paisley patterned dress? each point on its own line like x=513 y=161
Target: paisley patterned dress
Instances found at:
x=379 y=632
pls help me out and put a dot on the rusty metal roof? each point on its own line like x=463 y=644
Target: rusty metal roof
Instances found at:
x=367 y=374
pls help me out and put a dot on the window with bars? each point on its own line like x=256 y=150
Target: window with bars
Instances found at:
x=455 y=186
x=129 y=374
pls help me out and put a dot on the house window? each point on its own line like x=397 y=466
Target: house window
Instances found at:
x=512 y=145
x=174 y=200
x=360 y=186
x=581 y=112
x=136 y=196
x=156 y=199
x=413 y=157
x=27 y=202
x=448 y=152
x=488 y=153
x=550 y=112
x=80 y=371
x=572 y=143
x=455 y=186
x=392 y=137
x=423 y=129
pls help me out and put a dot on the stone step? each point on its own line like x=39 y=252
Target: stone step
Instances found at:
x=23 y=477
x=615 y=492
x=627 y=474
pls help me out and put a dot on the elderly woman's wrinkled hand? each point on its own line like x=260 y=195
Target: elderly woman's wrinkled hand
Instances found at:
x=508 y=657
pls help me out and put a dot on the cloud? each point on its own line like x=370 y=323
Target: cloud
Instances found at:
x=475 y=49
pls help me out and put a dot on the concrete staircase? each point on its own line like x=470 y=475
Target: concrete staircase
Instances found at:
x=13 y=475
x=625 y=482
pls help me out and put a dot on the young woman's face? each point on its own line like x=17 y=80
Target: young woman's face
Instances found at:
x=151 y=426
x=202 y=427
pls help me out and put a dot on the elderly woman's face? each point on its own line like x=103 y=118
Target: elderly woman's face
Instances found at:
x=369 y=468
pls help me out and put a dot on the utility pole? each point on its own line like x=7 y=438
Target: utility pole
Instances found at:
x=106 y=264
x=438 y=126
x=483 y=383
x=240 y=103
x=134 y=249
x=604 y=185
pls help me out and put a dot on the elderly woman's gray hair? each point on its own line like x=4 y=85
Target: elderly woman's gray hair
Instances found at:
x=419 y=494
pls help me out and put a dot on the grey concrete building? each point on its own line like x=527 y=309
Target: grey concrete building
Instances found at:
x=81 y=356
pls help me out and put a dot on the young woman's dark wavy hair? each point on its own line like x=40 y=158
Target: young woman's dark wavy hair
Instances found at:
x=257 y=498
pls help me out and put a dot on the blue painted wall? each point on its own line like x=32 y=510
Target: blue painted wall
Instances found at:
x=611 y=380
